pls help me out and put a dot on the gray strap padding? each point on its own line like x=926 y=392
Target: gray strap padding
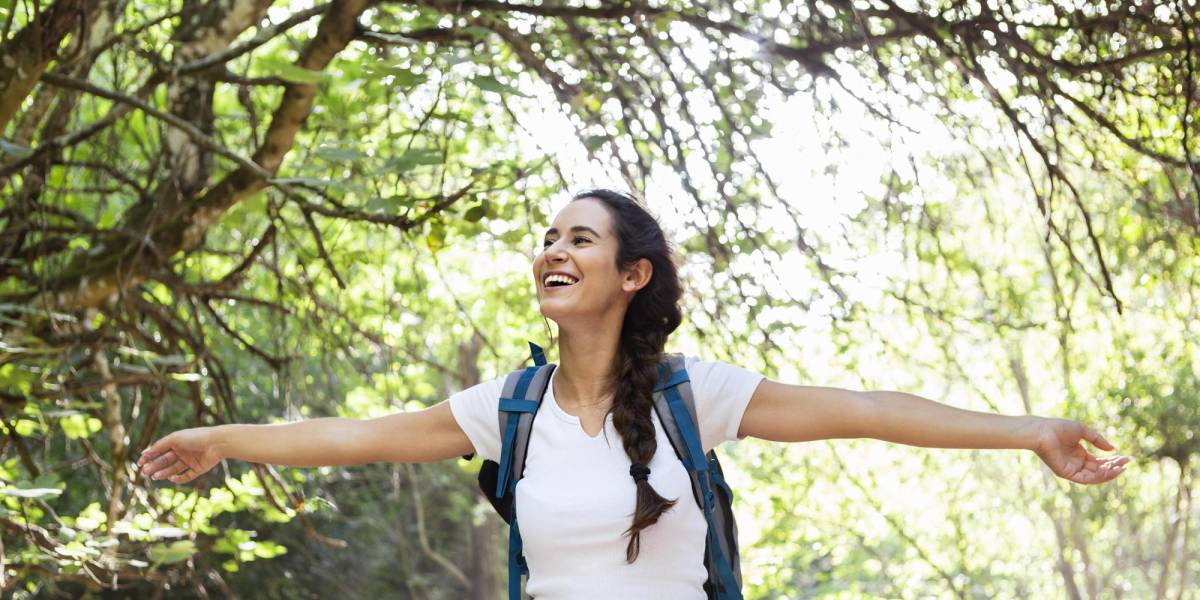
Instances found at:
x=665 y=418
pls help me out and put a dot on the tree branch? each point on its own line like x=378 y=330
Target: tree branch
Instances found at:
x=197 y=136
x=90 y=281
x=316 y=233
x=26 y=55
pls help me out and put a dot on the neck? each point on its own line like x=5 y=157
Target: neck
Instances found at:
x=587 y=362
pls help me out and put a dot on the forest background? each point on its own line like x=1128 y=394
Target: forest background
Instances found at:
x=255 y=211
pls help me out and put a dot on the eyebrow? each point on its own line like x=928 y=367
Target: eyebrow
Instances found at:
x=575 y=229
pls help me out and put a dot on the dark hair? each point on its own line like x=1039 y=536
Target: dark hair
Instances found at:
x=651 y=317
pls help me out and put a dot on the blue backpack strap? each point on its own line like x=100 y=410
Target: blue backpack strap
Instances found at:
x=519 y=401
x=537 y=354
x=673 y=398
x=516 y=558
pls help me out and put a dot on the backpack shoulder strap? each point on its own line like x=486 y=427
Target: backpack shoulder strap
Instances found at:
x=519 y=402
x=675 y=404
x=676 y=408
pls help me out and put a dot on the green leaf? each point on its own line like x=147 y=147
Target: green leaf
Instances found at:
x=406 y=78
x=314 y=182
x=336 y=154
x=265 y=549
x=388 y=204
x=436 y=240
x=414 y=157
x=488 y=83
x=290 y=72
x=25 y=427
x=477 y=31
x=476 y=213
x=80 y=426
x=172 y=553
x=594 y=142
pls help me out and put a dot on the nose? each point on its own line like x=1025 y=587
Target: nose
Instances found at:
x=555 y=253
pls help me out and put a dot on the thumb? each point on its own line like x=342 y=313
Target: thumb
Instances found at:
x=1097 y=440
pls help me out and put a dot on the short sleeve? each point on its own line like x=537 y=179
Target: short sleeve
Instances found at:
x=475 y=410
x=722 y=392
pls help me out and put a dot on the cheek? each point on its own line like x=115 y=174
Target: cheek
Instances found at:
x=537 y=265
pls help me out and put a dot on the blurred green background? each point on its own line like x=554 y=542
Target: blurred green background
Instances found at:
x=252 y=211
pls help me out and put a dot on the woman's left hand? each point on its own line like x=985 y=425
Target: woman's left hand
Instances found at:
x=1060 y=446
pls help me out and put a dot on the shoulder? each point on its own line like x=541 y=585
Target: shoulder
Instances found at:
x=483 y=392
x=475 y=409
x=706 y=373
x=721 y=391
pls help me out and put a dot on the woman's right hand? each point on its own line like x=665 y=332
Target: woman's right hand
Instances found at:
x=181 y=456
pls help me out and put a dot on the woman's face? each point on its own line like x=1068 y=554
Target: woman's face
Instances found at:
x=576 y=273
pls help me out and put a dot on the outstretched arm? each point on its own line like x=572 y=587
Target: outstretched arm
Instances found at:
x=792 y=413
x=420 y=436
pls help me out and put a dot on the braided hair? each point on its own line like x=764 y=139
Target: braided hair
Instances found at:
x=650 y=318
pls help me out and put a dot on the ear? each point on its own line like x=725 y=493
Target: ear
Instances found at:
x=637 y=275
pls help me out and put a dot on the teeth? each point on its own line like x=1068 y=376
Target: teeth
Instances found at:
x=559 y=279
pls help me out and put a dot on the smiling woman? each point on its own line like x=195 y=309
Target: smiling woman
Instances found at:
x=598 y=520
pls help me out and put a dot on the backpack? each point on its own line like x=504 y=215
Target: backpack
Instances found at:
x=676 y=408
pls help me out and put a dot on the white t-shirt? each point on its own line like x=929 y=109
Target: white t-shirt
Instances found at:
x=576 y=498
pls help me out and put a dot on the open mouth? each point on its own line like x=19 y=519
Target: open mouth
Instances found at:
x=557 y=280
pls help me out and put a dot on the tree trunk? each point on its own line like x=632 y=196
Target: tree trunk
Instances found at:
x=213 y=28
x=1175 y=517
x=484 y=570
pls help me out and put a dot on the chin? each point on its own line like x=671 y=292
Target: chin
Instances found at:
x=551 y=311
x=564 y=310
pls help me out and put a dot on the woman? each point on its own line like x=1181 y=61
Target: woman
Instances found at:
x=590 y=529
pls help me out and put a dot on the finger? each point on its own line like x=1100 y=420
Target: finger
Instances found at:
x=170 y=471
x=185 y=477
x=159 y=463
x=1105 y=471
x=192 y=463
x=162 y=445
x=1108 y=473
x=1096 y=439
x=1087 y=475
x=1095 y=462
x=1114 y=461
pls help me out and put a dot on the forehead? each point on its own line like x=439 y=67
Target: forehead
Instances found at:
x=584 y=212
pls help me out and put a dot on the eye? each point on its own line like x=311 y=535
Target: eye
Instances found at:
x=581 y=239
x=546 y=243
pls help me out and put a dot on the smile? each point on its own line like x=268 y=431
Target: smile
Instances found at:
x=556 y=280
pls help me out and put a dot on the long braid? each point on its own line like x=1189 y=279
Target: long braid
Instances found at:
x=649 y=320
x=632 y=406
